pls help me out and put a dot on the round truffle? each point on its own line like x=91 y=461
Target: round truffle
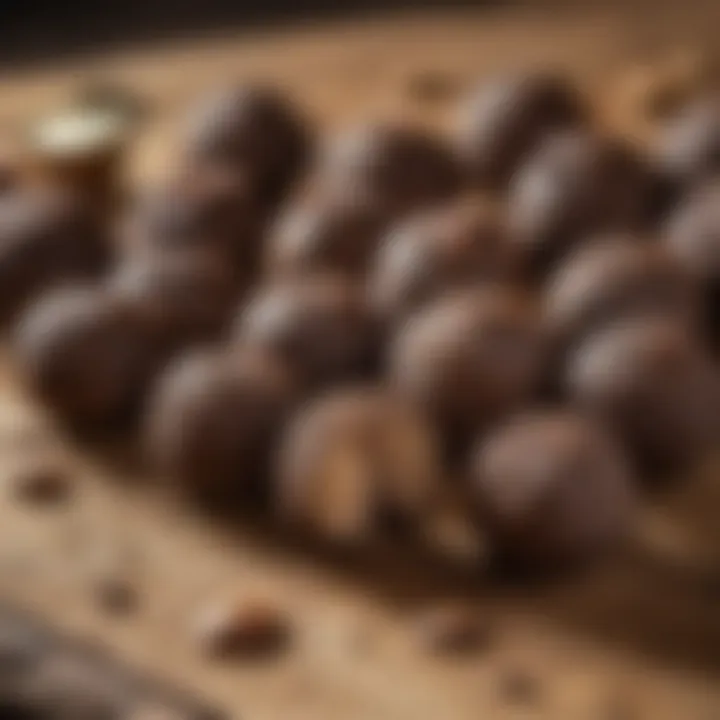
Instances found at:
x=336 y=233
x=86 y=355
x=47 y=238
x=213 y=421
x=612 y=279
x=450 y=248
x=184 y=297
x=203 y=207
x=256 y=129
x=319 y=324
x=470 y=358
x=357 y=463
x=400 y=168
x=575 y=185
x=688 y=148
x=651 y=382
x=552 y=489
x=502 y=121
x=693 y=237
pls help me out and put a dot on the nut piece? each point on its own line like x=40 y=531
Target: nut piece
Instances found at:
x=334 y=234
x=519 y=686
x=400 y=168
x=115 y=594
x=552 y=489
x=253 y=128
x=47 y=238
x=319 y=324
x=249 y=629
x=616 y=278
x=184 y=297
x=693 y=237
x=453 y=630
x=422 y=257
x=470 y=359
x=651 y=382
x=357 y=463
x=506 y=119
x=575 y=185
x=41 y=484
x=213 y=420
x=86 y=355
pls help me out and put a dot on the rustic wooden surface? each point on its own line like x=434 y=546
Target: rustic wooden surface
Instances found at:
x=632 y=635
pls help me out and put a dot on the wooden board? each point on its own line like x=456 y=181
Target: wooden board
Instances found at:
x=630 y=633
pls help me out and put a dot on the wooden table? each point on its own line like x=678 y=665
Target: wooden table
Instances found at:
x=626 y=633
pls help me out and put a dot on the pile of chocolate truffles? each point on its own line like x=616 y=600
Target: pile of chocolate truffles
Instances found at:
x=344 y=334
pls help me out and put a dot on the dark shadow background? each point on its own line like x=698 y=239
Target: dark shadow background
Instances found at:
x=37 y=30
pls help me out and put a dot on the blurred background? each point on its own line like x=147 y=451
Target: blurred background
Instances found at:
x=36 y=30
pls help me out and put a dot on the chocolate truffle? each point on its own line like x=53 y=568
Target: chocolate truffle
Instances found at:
x=457 y=246
x=319 y=324
x=256 y=129
x=46 y=238
x=357 y=463
x=204 y=207
x=653 y=384
x=85 y=354
x=470 y=358
x=504 y=120
x=185 y=297
x=576 y=184
x=212 y=422
x=400 y=168
x=688 y=149
x=552 y=489
x=693 y=237
x=337 y=233
x=614 y=278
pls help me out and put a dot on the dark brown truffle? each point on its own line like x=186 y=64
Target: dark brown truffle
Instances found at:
x=400 y=168
x=616 y=278
x=185 y=297
x=693 y=237
x=688 y=149
x=337 y=233
x=653 y=384
x=213 y=420
x=504 y=120
x=470 y=358
x=85 y=354
x=319 y=324
x=357 y=463
x=46 y=238
x=552 y=489
x=453 y=247
x=256 y=129
x=202 y=207
x=575 y=185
